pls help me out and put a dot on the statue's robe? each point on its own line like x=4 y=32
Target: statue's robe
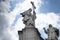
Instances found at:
x=52 y=33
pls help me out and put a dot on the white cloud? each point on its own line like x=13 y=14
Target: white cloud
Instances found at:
x=41 y=21
x=20 y=7
x=19 y=25
x=4 y=7
x=4 y=22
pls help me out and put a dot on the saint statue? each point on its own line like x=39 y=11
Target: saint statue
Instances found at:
x=28 y=17
x=52 y=33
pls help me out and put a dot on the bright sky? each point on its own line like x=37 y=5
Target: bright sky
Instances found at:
x=47 y=12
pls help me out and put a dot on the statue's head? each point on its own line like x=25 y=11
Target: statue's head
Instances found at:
x=30 y=10
x=50 y=25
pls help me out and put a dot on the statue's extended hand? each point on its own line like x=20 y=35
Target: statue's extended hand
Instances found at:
x=44 y=28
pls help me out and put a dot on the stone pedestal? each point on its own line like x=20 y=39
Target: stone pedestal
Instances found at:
x=29 y=33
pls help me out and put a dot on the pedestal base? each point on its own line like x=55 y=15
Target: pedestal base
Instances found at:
x=29 y=33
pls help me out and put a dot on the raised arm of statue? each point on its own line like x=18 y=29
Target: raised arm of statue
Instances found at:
x=45 y=30
x=34 y=13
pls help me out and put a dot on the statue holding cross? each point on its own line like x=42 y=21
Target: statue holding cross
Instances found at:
x=28 y=17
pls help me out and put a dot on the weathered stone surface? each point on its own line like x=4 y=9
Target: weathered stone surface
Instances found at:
x=52 y=33
x=30 y=34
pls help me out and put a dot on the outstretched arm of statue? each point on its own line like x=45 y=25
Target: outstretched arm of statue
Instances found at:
x=34 y=15
x=45 y=30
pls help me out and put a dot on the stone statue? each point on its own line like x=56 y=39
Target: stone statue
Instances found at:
x=29 y=18
x=52 y=32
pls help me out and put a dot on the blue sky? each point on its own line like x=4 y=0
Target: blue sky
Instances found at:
x=13 y=3
x=50 y=6
x=47 y=12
